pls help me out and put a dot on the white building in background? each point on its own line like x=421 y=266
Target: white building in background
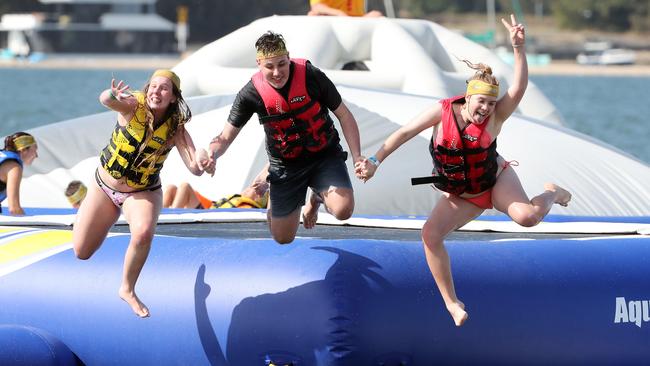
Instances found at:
x=89 y=26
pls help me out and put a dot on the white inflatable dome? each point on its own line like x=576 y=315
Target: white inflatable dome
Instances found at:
x=408 y=55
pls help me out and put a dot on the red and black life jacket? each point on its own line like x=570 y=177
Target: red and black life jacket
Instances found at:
x=465 y=161
x=297 y=124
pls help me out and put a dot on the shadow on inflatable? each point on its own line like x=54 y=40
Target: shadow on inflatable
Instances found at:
x=305 y=326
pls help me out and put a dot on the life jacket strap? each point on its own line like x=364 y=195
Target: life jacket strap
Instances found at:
x=427 y=180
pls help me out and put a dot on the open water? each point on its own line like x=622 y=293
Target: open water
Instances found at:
x=614 y=109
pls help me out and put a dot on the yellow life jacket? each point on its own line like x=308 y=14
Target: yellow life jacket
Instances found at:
x=120 y=157
x=236 y=201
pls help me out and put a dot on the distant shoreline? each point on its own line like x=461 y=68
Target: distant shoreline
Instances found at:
x=152 y=62
x=572 y=68
x=97 y=61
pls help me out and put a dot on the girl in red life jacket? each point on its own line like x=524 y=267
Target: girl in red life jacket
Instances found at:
x=472 y=176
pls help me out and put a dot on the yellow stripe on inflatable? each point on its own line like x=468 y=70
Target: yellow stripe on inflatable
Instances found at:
x=9 y=229
x=33 y=243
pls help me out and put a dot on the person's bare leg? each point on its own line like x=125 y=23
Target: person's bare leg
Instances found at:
x=310 y=210
x=561 y=197
x=94 y=219
x=440 y=267
x=134 y=259
x=448 y=214
x=169 y=193
x=283 y=229
x=339 y=202
x=508 y=196
x=141 y=212
x=192 y=200
x=183 y=196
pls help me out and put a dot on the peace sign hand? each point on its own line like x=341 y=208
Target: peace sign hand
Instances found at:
x=517 y=34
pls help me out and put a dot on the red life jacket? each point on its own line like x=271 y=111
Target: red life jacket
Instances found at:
x=466 y=161
x=295 y=125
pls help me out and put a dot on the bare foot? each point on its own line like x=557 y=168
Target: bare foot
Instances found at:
x=563 y=196
x=458 y=313
x=132 y=299
x=310 y=211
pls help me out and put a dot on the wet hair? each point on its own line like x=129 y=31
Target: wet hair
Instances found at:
x=10 y=145
x=73 y=187
x=270 y=43
x=179 y=113
x=483 y=73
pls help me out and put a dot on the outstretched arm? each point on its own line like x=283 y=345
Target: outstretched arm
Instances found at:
x=430 y=117
x=509 y=102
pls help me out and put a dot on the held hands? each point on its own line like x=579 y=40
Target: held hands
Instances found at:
x=364 y=169
x=201 y=158
x=206 y=161
x=517 y=33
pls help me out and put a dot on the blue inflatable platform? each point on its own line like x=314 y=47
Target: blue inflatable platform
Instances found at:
x=228 y=300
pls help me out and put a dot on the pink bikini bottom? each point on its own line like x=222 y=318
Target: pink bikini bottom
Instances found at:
x=118 y=197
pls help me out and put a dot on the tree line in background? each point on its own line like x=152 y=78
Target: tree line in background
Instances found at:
x=211 y=19
x=609 y=15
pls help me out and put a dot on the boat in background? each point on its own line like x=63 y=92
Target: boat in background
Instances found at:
x=82 y=26
x=602 y=53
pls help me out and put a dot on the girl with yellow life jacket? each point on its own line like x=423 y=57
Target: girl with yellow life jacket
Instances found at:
x=149 y=124
x=467 y=168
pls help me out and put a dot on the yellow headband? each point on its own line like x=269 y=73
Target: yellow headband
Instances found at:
x=481 y=87
x=169 y=75
x=23 y=142
x=78 y=195
x=279 y=52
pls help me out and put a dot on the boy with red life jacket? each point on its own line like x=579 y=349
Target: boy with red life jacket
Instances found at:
x=467 y=168
x=292 y=99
